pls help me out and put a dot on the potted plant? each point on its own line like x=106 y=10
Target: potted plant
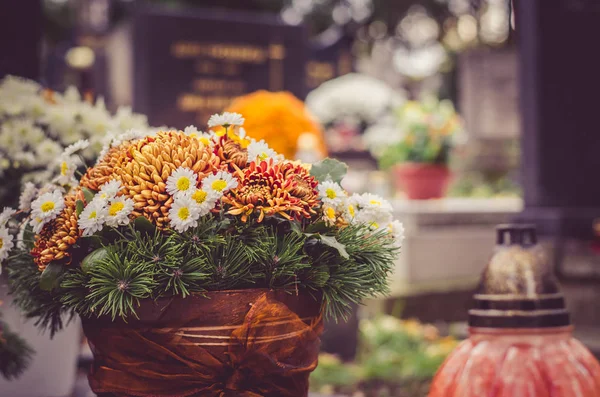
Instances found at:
x=417 y=146
x=202 y=263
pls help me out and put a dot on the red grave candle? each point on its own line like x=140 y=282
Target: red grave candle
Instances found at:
x=520 y=342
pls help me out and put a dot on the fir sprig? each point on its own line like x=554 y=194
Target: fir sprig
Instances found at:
x=15 y=354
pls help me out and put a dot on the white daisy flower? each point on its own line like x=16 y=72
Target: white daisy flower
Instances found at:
x=219 y=183
x=226 y=119
x=76 y=147
x=5 y=215
x=68 y=166
x=205 y=200
x=396 y=228
x=109 y=190
x=184 y=213
x=349 y=210
x=27 y=196
x=331 y=193
x=47 y=206
x=93 y=217
x=372 y=210
x=329 y=215
x=118 y=211
x=182 y=181
x=192 y=131
x=6 y=244
x=37 y=224
x=259 y=150
x=21 y=234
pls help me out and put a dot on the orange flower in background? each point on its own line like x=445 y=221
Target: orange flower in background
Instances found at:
x=279 y=118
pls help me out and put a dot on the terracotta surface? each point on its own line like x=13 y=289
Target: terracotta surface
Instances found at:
x=421 y=181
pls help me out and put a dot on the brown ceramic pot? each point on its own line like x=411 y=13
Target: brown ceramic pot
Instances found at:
x=421 y=181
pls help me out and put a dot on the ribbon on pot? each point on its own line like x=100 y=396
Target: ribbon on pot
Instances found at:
x=271 y=353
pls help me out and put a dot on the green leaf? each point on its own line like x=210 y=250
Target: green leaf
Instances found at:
x=50 y=275
x=79 y=207
x=94 y=258
x=329 y=170
x=317 y=227
x=142 y=224
x=88 y=194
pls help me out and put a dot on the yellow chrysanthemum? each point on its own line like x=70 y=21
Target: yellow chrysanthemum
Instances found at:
x=279 y=118
x=58 y=235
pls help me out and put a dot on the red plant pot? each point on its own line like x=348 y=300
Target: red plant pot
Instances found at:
x=421 y=181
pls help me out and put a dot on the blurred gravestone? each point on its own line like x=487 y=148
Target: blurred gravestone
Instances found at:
x=189 y=64
x=559 y=110
x=20 y=38
x=330 y=57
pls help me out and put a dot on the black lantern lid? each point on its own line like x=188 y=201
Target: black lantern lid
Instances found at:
x=518 y=288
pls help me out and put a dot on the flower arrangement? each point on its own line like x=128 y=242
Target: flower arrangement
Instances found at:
x=36 y=125
x=340 y=106
x=396 y=358
x=280 y=119
x=423 y=132
x=178 y=213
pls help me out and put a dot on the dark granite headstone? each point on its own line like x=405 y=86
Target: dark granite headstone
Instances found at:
x=190 y=64
x=330 y=57
x=560 y=85
x=20 y=38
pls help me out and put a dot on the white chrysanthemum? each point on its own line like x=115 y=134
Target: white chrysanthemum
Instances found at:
x=6 y=244
x=109 y=190
x=396 y=228
x=6 y=214
x=329 y=215
x=331 y=193
x=67 y=167
x=47 y=151
x=76 y=147
x=48 y=206
x=182 y=181
x=349 y=210
x=226 y=119
x=205 y=200
x=27 y=196
x=192 y=131
x=373 y=210
x=93 y=217
x=118 y=211
x=184 y=213
x=219 y=183
x=21 y=235
x=37 y=224
x=259 y=150
x=204 y=137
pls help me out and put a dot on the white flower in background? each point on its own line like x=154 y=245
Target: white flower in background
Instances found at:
x=205 y=200
x=23 y=159
x=109 y=190
x=96 y=119
x=329 y=215
x=345 y=96
x=115 y=140
x=47 y=206
x=9 y=140
x=226 y=119
x=118 y=211
x=259 y=150
x=5 y=215
x=48 y=151
x=219 y=183
x=93 y=217
x=331 y=193
x=67 y=167
x=125 y=119
x=182 y=181
x=76 y=147
x=396 y=228
x=6 y=244
x=34 y=136
x=27 y=195
x=184 y=213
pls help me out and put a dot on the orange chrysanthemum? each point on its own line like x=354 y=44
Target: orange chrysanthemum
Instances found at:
x=279 y=118
x=267 y=189
x=231 y=152
x=59 y=235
